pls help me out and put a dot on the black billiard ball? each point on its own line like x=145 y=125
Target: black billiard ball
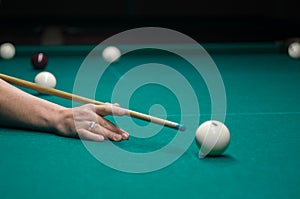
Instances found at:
x=39 y=61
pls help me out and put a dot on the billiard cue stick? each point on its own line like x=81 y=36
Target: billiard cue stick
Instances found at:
x=84 y=100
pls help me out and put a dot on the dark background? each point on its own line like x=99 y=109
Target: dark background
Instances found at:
x=90 y=21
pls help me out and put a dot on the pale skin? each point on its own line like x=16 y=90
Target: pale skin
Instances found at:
x=19 y=109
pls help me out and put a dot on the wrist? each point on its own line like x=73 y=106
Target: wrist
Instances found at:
x=63 y=122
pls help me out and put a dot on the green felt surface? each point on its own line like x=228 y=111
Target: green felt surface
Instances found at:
x=263 y=114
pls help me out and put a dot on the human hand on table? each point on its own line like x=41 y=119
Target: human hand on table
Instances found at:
x=19 y=109
x=88 y=122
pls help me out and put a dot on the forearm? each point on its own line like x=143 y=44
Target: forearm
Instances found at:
x=20 y=109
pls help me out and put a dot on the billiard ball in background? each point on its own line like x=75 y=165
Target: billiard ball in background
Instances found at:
x=7 y=50
x=45 y=79
x=212 y=138
x=294 y=50
x=39 y=61
x=111 y=54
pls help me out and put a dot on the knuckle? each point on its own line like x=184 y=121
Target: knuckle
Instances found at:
x=105 y=108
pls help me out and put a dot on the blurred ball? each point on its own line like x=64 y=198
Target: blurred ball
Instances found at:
x=39 y=61
x=45 y=79
x=7 y=50
x=294 y=50
x=111 y=54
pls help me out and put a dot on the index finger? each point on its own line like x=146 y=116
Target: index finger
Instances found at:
x=110 y=109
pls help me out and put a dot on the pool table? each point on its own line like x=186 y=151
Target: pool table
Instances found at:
x=262 y=113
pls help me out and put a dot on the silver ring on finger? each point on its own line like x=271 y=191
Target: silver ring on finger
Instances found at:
x=91 y=125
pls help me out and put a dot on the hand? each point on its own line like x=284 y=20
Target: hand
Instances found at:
x=88 y=122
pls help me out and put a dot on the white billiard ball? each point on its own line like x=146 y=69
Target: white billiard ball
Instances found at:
x=45 y=79
x=111 y=54
x=212 y=138
x=7 y=50
x=294 y=50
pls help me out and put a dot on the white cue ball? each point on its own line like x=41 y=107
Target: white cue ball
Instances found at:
x=212 y=138
x=45 y=79
x=7 y=50
x=294 y=50
x=111 y=54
